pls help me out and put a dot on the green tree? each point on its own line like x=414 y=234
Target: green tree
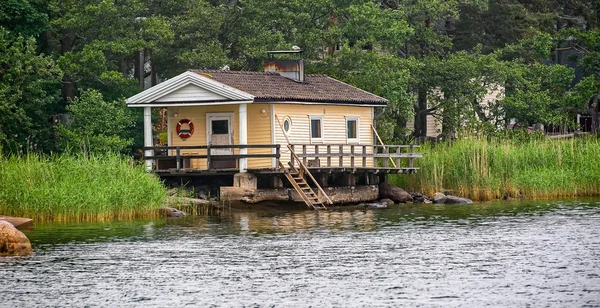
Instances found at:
x=97 y=125
x=29 y=86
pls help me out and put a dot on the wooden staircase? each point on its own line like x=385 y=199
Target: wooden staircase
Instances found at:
x=298 y=180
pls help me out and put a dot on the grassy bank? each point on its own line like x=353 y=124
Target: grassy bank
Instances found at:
x=67 y=187
x=486 y=170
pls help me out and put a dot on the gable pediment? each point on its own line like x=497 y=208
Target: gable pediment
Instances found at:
x=188 y=88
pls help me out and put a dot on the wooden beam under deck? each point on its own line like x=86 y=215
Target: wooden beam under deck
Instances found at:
x=271 y=171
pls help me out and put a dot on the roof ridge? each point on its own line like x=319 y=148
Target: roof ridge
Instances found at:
x=235 y=72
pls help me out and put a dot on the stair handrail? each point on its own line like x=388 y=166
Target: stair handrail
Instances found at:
x=306 y=171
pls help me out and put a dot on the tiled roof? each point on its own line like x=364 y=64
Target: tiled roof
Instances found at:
x=269 y=86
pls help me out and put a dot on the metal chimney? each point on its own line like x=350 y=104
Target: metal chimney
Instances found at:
x=292 y=69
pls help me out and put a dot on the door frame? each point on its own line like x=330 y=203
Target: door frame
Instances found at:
x=210 y=115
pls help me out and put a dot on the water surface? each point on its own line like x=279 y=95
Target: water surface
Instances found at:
x=511 y=254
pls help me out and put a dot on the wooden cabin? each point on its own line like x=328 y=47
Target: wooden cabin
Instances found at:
x=226 y=122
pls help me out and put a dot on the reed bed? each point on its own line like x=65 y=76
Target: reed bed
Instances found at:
x=78 y=188
x=486 y=170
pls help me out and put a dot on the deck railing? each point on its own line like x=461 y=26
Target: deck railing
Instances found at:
x=181 y=159
x=311 y=155
x=337 y=155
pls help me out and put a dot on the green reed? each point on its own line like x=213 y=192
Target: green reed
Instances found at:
x=485 y=170
x=78 y=188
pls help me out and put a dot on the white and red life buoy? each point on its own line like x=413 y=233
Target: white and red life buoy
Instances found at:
x=185 y=133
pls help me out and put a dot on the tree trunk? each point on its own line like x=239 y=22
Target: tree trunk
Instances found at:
x=140 y=73
x=68 y=85
x=421 y=114
x=595 y=111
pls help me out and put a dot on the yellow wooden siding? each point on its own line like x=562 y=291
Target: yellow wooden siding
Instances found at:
x=259 y=130
x=334 y=129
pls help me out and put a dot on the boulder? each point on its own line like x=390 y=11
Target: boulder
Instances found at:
x=417 y=197
x=441 y=198
x=171 y=212
x=12 y=241
x=387 y=202
x=396 y=194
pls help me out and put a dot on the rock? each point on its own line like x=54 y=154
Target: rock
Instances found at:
x=440 y=198
x=417 y=197
x=12 y=241
x=171 y=212
x=18 y=222
x=396 y=194
x=375 y=205
x=387 y=202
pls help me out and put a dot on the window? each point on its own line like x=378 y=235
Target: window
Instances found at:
x=352 y=129
x=316 y=128
x=287 y=125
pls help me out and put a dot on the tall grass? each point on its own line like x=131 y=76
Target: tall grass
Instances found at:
x=486 y=170
x=78 y=188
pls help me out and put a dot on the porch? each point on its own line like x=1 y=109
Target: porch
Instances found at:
x=265 y=159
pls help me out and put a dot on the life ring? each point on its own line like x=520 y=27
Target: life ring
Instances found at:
x=185 y=133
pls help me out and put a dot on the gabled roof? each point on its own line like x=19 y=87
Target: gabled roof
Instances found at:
x=211 y=89
x=270 y=86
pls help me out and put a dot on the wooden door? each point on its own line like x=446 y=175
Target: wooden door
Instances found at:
x=220 y=132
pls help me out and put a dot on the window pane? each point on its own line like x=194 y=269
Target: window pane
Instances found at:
x=315 y=128
x=351 y=129
x=220 y=127
x=286 y=125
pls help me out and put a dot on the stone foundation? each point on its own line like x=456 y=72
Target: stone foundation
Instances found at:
x=339 y=195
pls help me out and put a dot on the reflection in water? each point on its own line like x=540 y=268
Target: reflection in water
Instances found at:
x=491 y=254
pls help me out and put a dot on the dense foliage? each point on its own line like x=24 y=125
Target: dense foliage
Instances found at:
x=527 y=167
x=78 y=187
x=428 y=57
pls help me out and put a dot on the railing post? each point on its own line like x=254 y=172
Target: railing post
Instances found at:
x=364 y=156
x=329 y=155
x=292 y=154
x=304 y=154
x=352 y=156
x=341 y=153
x=208 y=158
x=317 y=155
x=398 y=149
x=411 y=159
x=386 y=156
x=375 y=152
x=277 y=155
x=178 y=155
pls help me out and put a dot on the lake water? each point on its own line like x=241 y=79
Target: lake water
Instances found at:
x=503 y=254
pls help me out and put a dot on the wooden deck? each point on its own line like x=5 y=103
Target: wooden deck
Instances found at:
x=318 y=158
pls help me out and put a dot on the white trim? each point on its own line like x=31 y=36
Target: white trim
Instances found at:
x=323 y=103
x=169 y=126
x=310 y=133
x=229 y=115
x=184 y=79
x=160 y=105
x=273 y=141
x=287 y=117
x=148 y=136
x=243 y=135
x=357 y=138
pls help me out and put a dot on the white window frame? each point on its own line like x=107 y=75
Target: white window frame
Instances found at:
x=287 y=118
x=357 y=138
x=310 y=119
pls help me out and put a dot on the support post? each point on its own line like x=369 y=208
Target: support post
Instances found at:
x=243 y=164
x=148 y=136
